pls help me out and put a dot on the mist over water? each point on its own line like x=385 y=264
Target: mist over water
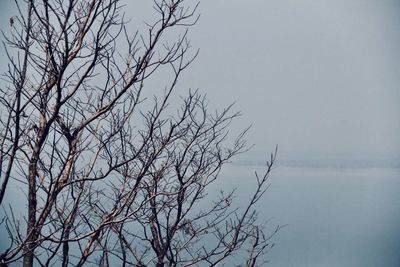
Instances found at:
x=336 y=213
x=321 y=80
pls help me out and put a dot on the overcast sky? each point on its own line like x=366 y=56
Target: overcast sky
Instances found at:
x=311 y=76
x=316 y=77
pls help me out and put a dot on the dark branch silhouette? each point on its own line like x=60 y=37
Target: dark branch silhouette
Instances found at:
x=112 y=173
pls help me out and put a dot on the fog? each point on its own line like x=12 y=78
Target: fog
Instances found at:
x=311 y=76
x=320 y=79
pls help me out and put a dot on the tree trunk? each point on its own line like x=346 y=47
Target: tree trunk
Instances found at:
x=31 y=231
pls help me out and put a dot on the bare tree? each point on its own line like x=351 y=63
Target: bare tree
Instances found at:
x=113 y=174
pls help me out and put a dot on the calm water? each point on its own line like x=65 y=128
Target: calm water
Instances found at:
x=340 y=216
x=336 y=216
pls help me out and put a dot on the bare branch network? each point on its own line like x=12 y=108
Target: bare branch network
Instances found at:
x=111 y=174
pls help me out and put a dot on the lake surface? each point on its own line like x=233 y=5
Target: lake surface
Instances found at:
x=337 y=214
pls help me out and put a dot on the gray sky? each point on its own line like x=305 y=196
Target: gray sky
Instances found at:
x=317 y=77
x=310 y=75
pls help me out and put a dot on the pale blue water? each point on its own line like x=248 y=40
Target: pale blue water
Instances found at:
x=347 y=215
x=337 y=214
